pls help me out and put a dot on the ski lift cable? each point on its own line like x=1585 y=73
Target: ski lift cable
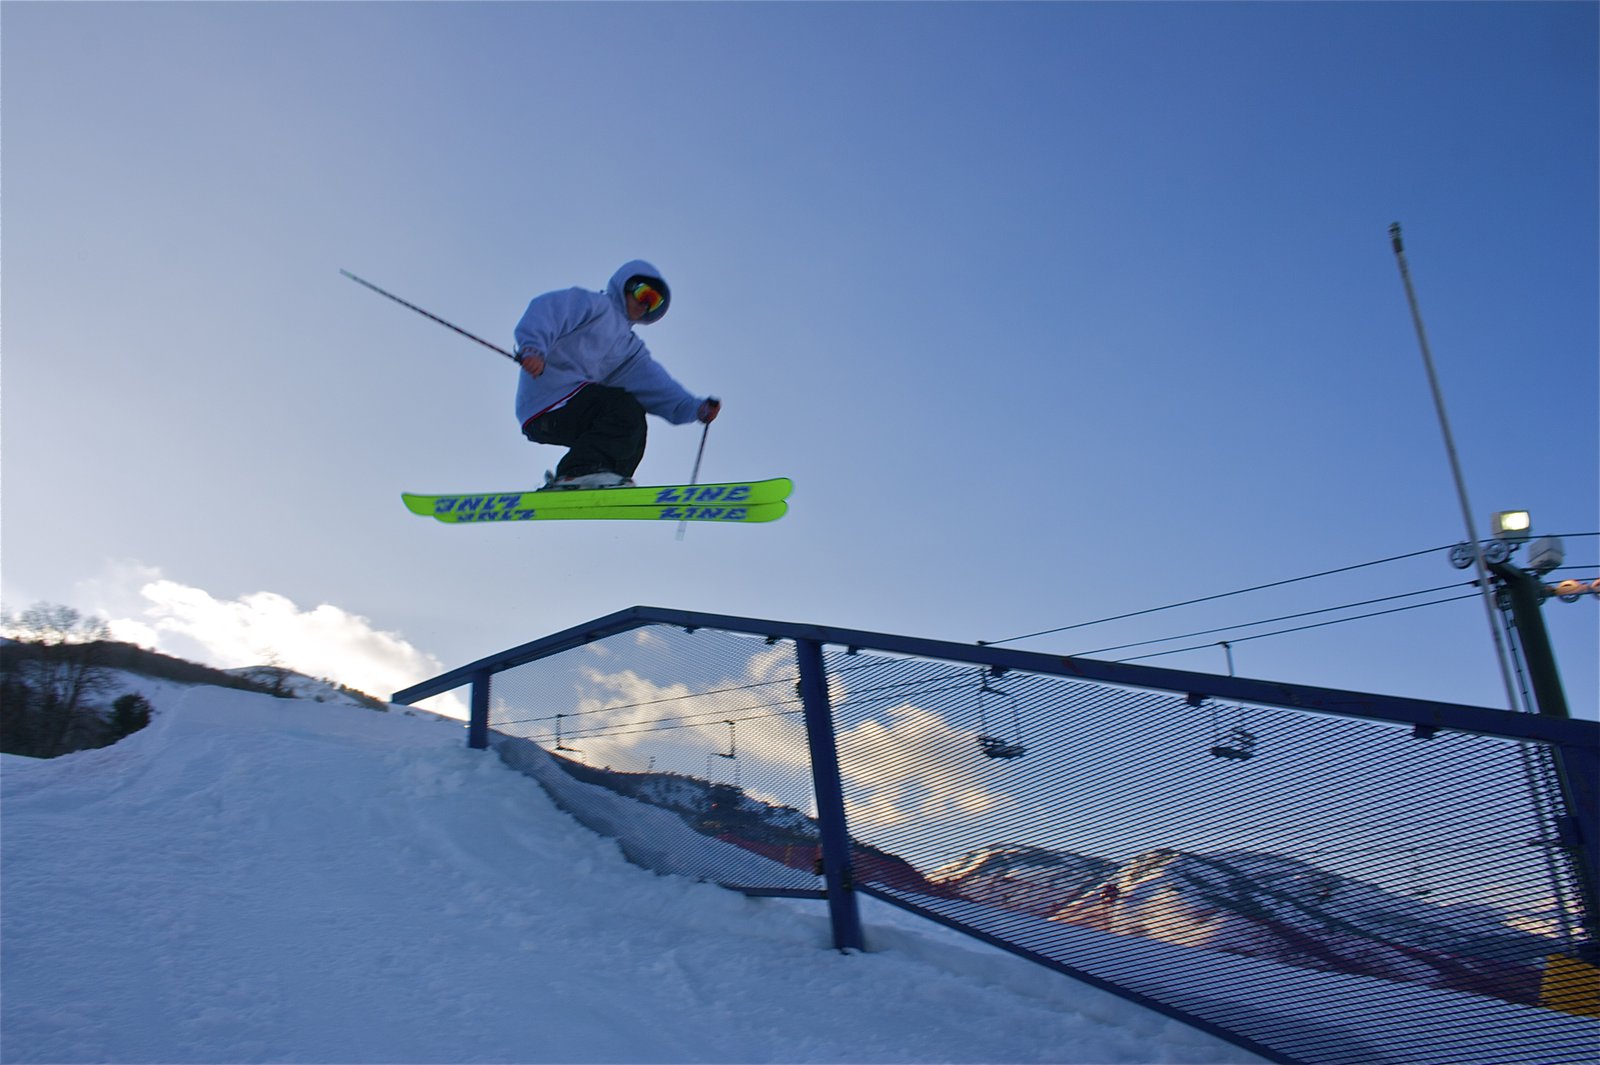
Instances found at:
x=669 y=725
x=1303 y=628
x=1273 y=621
x=1243 y=591
x=646 y=702
x=856 y=696
x=711 y=717
x=682 y=698
x=787 y=680
x=664 y=724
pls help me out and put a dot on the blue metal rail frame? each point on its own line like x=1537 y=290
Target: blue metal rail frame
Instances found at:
x=1423 y=712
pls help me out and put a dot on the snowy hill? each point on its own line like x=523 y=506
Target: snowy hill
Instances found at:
x=1262 y=906
x=1257 y=905
x=1269 y=906
x=1030 y=879
x=260 y=879
x=290 y=684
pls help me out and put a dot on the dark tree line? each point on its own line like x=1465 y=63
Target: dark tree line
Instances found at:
x=56 y=676
x=52 y=687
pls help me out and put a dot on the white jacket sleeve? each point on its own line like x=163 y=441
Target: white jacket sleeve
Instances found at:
x=655 y=389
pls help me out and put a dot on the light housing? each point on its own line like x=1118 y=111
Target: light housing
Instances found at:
x=1546 y=554
x=1512 y=526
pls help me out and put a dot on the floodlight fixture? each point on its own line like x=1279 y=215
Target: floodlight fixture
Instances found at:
x=1512 y=526
x=1546 y=554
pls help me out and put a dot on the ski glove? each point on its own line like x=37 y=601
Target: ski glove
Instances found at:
x=709 y=409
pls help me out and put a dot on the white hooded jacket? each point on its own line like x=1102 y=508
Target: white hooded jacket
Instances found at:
x=586 y=338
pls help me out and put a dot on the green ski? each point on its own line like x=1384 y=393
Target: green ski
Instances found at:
x=736 y=501
x=509 y=507
x=730 y=493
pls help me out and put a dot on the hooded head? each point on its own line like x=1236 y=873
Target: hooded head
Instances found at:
x=630 y=274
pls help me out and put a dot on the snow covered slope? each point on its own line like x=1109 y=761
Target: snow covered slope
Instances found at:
x=257 y=879
x=1264 y=906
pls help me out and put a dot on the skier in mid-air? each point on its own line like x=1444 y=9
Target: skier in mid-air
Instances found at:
x=588 y=380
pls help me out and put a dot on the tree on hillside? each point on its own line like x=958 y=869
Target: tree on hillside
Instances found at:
x=53 y=624
x=275 y=677
x=47 y=700
x=129 y=714
x=20 y=727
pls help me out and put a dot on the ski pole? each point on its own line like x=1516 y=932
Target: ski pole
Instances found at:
x=705 y=430
x=435 y=317
x=694 y=478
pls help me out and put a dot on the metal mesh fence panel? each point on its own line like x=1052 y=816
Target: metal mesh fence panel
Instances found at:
x=687 y=746
x=1316 y=886
x=1331 y=889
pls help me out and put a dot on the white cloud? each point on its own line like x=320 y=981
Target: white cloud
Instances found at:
x=913 y=768
x=261 y=627
x=909 y=765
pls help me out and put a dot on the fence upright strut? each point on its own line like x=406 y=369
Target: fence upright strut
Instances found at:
x=478 y=725
x=836 y=863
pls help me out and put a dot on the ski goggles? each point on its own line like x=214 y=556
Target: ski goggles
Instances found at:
x=649 y=297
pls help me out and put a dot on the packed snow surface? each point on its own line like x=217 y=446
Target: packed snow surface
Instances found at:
x=260 y=879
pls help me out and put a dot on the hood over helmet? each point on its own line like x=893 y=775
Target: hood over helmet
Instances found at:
x=627 y=272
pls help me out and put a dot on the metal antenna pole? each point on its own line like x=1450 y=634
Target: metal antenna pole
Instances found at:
x=435 y=317
x=1455 y=467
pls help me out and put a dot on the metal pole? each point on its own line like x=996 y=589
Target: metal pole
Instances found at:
x=435 y=317
x=1578 y=769
x=478 y=725
x=1455 y=467
x=836 y=864
x=1523 y=596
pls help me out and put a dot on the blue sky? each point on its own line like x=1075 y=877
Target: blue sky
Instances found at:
x=1053 y=312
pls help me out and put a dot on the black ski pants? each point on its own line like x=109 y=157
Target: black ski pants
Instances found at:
x=603 y=426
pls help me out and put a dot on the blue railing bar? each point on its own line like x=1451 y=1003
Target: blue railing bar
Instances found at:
x=544 y=647
x=1393 y=708
x=777 y=892
x=1086 y=977
x=829 y=793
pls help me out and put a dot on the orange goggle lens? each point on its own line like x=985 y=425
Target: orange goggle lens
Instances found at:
x=648 y=296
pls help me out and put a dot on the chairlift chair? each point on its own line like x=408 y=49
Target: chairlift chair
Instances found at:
x=730 y=755
x=991 y=745
x=733 y=749
x=559 y=745
x=995 y=747
x=1239 y=745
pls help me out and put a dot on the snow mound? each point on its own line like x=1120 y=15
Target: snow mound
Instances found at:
x=261 y=879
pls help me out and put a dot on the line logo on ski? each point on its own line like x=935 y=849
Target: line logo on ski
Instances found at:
x=705 y=513
x=713 y=493
x=482 y=508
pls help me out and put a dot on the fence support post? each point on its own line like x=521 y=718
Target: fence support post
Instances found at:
x=478 y=725
x=836 y=863
x=1578 y=770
